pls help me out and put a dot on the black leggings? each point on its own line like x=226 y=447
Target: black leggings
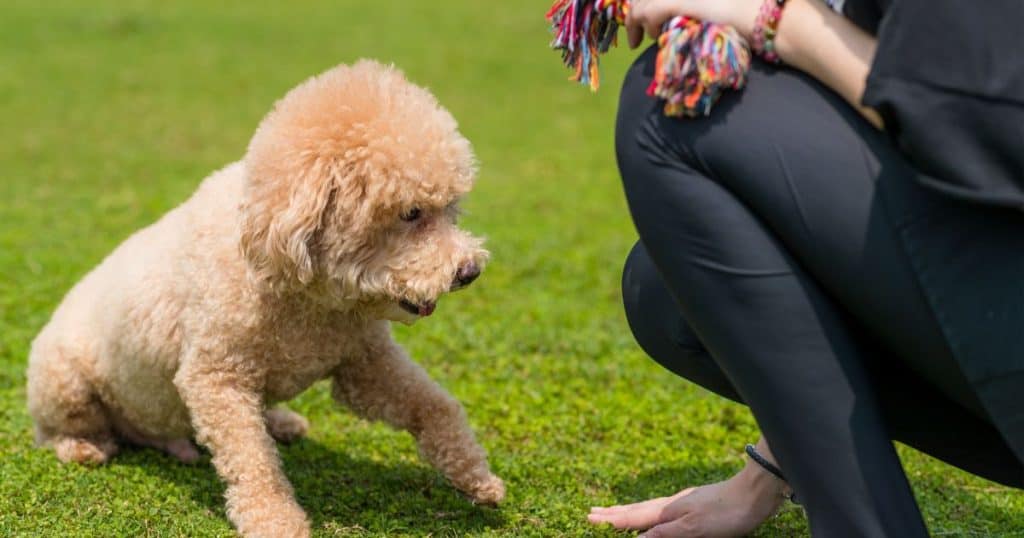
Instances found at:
x=768 y=272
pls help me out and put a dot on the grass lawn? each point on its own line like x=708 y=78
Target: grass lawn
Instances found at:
x=113 y=111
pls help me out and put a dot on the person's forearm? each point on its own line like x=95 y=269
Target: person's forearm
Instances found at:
x=811 y=37
x=830 y=48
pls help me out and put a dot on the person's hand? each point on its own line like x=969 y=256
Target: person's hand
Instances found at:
x=731 y=508
x=648 y=16
x=734 y=507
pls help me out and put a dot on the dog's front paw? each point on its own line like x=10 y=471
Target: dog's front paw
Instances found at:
x=284 y=519
x=490 y=491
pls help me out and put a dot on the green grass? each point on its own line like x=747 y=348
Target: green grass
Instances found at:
x=113 y=111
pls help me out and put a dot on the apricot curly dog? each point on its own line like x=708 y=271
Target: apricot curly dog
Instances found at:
x=282 y=269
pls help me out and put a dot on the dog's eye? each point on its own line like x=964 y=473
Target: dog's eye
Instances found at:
x=412 y=214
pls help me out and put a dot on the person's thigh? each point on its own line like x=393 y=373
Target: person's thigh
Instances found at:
x=808 y=165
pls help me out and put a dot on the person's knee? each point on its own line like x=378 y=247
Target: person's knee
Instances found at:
x=635 y=277
x=660 y=330
x=650 y=310
x=631 y=286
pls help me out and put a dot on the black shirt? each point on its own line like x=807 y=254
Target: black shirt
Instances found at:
x=948 y=80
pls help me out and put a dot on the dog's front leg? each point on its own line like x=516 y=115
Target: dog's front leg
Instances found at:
x=386 y=385
x=227 y=415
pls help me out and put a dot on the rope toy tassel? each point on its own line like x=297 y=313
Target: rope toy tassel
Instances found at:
x=696 y=61
x=585 y=29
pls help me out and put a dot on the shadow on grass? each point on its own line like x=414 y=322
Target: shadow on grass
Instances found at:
x=341 y=491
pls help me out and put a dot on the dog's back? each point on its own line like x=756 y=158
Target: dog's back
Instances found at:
x=122 y=322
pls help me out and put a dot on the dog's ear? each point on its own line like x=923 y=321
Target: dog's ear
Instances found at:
x=280 y=222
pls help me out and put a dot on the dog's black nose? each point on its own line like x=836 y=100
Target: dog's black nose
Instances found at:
x=466 y=275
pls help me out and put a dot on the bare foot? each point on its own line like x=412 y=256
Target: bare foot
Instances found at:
x=734 y=507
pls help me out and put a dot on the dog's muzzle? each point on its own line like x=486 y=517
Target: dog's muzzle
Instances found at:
x=423 y=309
x=463 y=277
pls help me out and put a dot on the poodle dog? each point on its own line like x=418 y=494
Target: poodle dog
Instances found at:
x=282 y=269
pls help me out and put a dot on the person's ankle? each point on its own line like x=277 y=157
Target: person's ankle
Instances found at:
x=767 y=492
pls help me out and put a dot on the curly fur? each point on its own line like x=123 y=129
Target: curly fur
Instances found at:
x=282 y=269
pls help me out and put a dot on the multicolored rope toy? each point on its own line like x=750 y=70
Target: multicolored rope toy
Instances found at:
x=696 y=61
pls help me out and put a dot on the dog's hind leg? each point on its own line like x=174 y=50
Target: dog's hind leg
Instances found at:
x=285 y=426
x=181 y=449
x=386 y=385
x=68 y=413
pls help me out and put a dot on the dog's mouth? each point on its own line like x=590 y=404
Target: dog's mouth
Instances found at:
x=422 y=309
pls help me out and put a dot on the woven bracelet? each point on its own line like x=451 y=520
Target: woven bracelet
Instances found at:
x=766 y=27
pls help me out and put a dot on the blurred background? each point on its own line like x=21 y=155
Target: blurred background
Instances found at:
x=112 y=112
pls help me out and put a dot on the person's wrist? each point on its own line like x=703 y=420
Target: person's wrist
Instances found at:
x=746 y=15
x=791 y=40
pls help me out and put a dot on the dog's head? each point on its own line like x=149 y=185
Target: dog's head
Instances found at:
x=351 y=195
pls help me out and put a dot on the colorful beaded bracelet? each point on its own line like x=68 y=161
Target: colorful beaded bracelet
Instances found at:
x=766 y=26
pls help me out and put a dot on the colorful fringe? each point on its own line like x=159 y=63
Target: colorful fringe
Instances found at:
x=696 y=61
x=583 y=30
